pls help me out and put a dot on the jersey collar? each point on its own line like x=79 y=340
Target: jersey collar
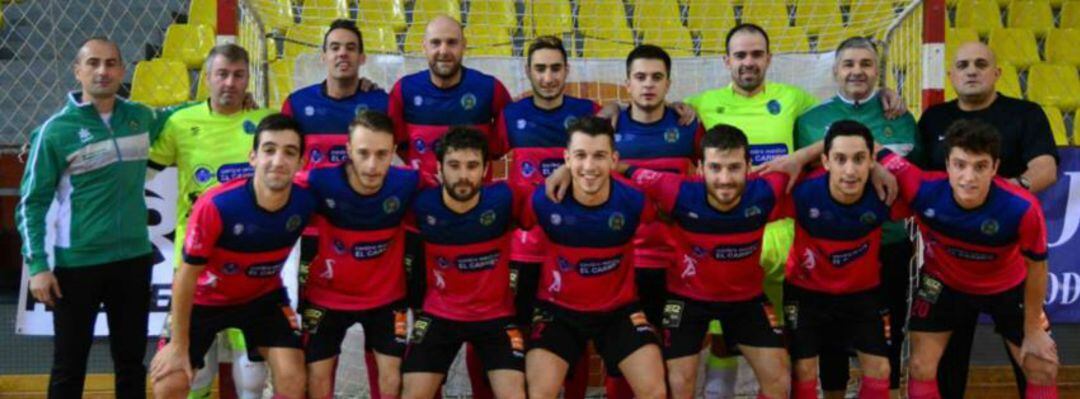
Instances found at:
x=854 y=103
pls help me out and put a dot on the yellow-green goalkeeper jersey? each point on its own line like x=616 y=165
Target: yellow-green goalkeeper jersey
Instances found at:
x=207 y=149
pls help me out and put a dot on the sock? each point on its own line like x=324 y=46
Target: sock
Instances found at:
x=481 y=388
x=248 y=377
x=874 y=388
x=923 y=389
x=372 y=375
x=618 y=388
x=721 y=374
x=805 y=389
x=577 y=383
x=1040 y=391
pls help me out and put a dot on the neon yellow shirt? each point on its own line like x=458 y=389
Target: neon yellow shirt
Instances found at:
x=767 y=118
x=207 y=149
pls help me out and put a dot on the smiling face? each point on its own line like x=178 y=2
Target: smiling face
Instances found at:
x=856 y=73
x=444 y=47
x=748 y=59
x=648 y=83
x=277 y=158
x=370 y=155
x=462 y=173
x=590 y=158
x=970 y=176
x=848 y=162
x=547 y=72
x=341 y=54
x=724 y=171
x=99 y=69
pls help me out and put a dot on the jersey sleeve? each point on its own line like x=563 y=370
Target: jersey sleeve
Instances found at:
x=527 y=219
x=203 y=230
x=777 y=183
x=899 y=210
x=395 y=108
x=1033 y=233
x=163 y=151
x=660 y=187
x=37 y=190
x=1038 y=139
x=500 y=143
x=908 y=176
x=699 y=135
x=286 y=107
x=499 y=100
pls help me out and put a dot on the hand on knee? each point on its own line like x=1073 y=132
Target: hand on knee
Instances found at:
x=174 y=385
x=1039 y=371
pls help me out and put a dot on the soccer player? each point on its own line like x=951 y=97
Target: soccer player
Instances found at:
x=241 y=234
x=90 y=158
x=587 y=290
x=833 y=272
x=1029 y=159
x=466 y=228
x=855 y=71
x=357 y=276
x=719 y=219
x=985 y=253
x=209 y=145
x=532 y=131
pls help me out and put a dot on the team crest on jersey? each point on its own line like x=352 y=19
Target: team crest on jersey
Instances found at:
x=418 y=101
x=521 y=123
x=293 y=223
x=339 y=247
x=671 y=135
x=230 y=268
x=468 y=101
x=774 y=107
x=989 y=227
x=249 y=127
x=488 y=217
x=556 y=219
x=420 y=146
x=616 y=221
x=720 y=109
x=203 y=175
x=569 y=121
x=391 y=205
x=752 y=211
x=85 y=136
x=888 y=131
x=360 y=108
x=238 y=229
x=133 y=125
x=527 y=169
x=868 y=218
x=309 y=111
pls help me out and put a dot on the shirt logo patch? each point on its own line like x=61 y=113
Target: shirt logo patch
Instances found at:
x=752 y=211
x=671 y=135
x=521 y=123
x=989 y=227
x=133 y=125
x=563 y=263
x=569 y=121
x=868 y=218
x=418 y=101
x=527 y=169
x=431 y=220
x=774 y=107
x=391 y=205
x=85 y=136
x=293 y=223
x=330 y=203
x=556 y=219
x=488 y=217
x=360 y=108
x=468 y=101
x=929 y=213
x=203 y=175
x=238 y=229
x=249 y=127
x=888 y=131
x=442 y=262
x=814 y=213
x=309 y=111
x=616 y=221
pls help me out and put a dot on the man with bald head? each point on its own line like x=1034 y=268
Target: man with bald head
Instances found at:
x=92 y=153
x=1029 y=160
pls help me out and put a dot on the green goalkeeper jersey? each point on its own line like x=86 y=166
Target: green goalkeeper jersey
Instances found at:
x=207 y=149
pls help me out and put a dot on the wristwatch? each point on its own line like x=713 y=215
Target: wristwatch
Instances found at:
x=1024 y=182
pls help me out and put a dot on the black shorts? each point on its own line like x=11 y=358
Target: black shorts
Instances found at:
x=415 y=274
x=751 y=323
x=616 y=334
x=266 y=321
x=938 y=308
x=436 y=341
x=652 y=292
x=324 y=329
x=524 y=278
x=817 y=321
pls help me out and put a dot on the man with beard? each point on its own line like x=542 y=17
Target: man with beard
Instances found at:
x=587 y=290
x=532 y=131
x=466 y=228
x=719 y=219
x=241 y=234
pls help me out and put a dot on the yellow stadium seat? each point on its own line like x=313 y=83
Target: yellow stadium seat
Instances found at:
x=202 y=89
x=323 y=12
x=1070 y=16
x=710 y=14
x=379 y=40
x=547 y=17
x=1035 y=15
x=188 y=44
x=382 y=13
x=1076 y=132
x=1061 y=47
x=675 y=40
x=1054 y=85
x=791 y=39
x=414 y=39
x=981 y=15
x=831 y=36
x=870 y=17
x=276 y=14
x=302 y=39
x=500 y=13
x=486 y=36
x=954 y=37
x=160 y=82
x=425 y=10
x=769 y=14
x=281 y=82
x=599 y=48
x=1008 y=84
x=203 y=12
x=604 y=19
x=1057 y=126
x=1015 y=46
x=816 y=15
x=656 y=14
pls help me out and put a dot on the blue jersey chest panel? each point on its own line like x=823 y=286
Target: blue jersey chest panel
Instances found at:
x=821 y=216
x=531 y=127
x=693 y=213
x=344 y=208
x=247 y=228
x=318 y=113
x=468 y=103
x=490 y=219
x=662 y=139
x=611 y=224
x=995 y=223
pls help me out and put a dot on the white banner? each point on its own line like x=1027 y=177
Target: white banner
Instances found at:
x=34 y=318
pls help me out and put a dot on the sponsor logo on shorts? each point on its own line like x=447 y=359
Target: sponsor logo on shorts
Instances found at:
x=312 y=318
x=735 y=252
x=420 y=329
x=401 y=326
x=791 y=315
x=292 y=318
x=640 y=322
x=842 y=258
x=264 y=270
x=596 y=267
x=480 y=262
x=770 y=316
x=517 y=341
x=369 y=250
x=673 y=314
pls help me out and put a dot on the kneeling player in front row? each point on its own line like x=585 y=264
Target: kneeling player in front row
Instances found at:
x=239 y=236
x=466 y=228
x=985 y=253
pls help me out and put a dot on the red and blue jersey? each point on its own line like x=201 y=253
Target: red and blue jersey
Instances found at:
x=836 y=245
x=242 y=246
x=467 y=255
x=588 y=265
x=717 y=253
x=422 y=112
x=361 y=249
x=664 y=146
x=535 y=139
x=977 y=251
x=324 y=121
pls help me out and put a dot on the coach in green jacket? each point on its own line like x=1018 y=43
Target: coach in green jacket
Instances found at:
x=89 y=161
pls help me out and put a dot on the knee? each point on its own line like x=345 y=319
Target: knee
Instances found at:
x=654 y=391
x=174 y=385
x=878 y=368
x=922 y=368
x=681 y=383
x=390 y=382
x=318 y=386
x=806 y=370
x=291 y=384
x=540 y=391
x=1040 y=372
x=777 y=385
